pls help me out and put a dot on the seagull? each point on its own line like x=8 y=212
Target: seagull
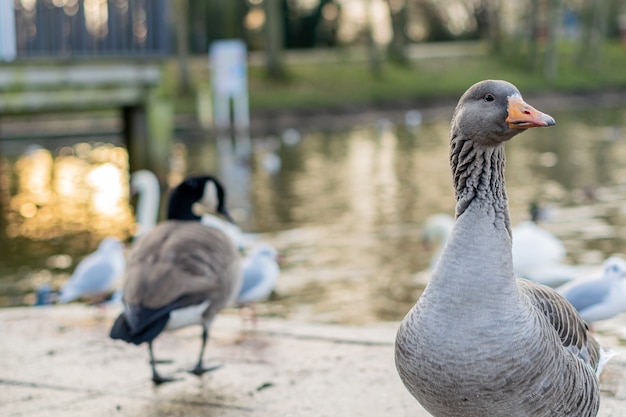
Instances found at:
x=539 y=255
x=260 y=271
x=600 y=298
x=180 y=273
x=478 y=341
x=96 y=276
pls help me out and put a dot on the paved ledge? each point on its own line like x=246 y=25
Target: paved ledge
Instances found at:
x=59 y=361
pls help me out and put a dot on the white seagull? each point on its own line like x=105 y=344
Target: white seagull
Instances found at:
x=260 y=272
x=96 y=276
x=600 y=298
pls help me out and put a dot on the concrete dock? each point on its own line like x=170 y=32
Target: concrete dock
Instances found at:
x=59 y=362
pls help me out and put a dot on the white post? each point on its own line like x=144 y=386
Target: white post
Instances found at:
x=229 y=79
x=8 y=48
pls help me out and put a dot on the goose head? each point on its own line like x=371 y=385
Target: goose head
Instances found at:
x=196 y=196
x=146 y=185
x=493 y=111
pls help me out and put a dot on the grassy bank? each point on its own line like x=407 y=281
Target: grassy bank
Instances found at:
x=342 y=79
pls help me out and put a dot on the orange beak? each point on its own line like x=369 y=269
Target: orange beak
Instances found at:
x=524 y=116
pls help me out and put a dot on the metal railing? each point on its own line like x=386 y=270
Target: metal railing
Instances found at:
x=88 y=28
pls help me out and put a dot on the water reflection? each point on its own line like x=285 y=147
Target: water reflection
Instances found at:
x=345 y=208
x=83 y=188
x=59 y=206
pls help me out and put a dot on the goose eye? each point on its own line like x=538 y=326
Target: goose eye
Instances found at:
x=490 y=97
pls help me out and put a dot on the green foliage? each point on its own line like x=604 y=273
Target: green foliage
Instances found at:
x=348 y=83
x=345 y=82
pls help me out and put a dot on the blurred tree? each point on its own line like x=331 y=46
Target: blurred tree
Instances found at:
x=437 y=29
x=181 y=8
x=551 y=60
x=373 y=54
x=305 y=23
x=487 y=14
x=534 y=34
x=399 y=17
x=199 y=33
x=274 y=41
x=595 y=18
x=211 y=20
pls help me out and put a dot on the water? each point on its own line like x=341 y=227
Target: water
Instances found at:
x=344 y=208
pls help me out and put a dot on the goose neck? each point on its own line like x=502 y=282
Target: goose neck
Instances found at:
x=478 y=174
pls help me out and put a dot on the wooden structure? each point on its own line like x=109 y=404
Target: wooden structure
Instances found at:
x=70 y=56
x=27 y=88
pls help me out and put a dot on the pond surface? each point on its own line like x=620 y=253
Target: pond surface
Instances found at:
x=344 y=208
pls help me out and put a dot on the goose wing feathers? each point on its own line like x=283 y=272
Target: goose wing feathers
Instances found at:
x=572 y=330
x=201 y=258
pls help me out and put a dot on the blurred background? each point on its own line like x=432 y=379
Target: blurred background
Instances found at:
x=345 y=153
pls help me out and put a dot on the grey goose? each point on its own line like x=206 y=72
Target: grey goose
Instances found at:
x=479 y=342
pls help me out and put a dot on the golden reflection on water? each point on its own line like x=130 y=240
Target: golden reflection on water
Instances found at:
x=84 y=189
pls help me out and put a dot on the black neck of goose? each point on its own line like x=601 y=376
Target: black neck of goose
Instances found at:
x=478 y=173
x=180 y=207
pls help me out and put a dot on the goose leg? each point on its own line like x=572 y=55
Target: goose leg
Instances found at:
x=156 y=378
x=200 y=369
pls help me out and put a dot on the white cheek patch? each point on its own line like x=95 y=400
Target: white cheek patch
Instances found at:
x=209 y=199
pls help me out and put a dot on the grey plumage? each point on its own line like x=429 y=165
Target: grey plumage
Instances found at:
x=181 y=258
x=479 y=342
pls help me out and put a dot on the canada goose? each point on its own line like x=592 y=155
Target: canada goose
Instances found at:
x=146 y=185
x=479 y=342
x=180 y=273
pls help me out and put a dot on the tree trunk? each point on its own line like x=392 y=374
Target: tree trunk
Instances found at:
x=274 y=41
x=534 y=35
x=594 y=34
x=551 y=61
x=181 y=8
x=488 y=18
x=397 y=47
x=373 y=54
